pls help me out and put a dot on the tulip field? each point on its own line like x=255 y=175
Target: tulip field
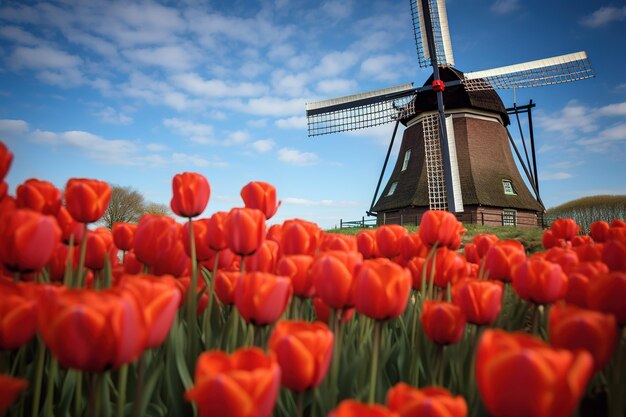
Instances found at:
x=224 y=316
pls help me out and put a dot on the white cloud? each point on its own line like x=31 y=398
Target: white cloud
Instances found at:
x=382 y=67
x=168 y=57
x=18 y=35
x=196 y=132
x=336 y=86
x=295 y=122
x=186 y=159
x=295 y=201
x=296 y=157
x=156 y=147
x=335 y=63
x=42 y=57
x=603 y=16
x=505 y=6
x=337 y=9
x=263 y=145
x=555 y=176
x=195 y=84
x=574 y=117
x=236 y=138
x=293 y=85
x=12 y=126
x=111 y=116
x=270 y=106
x=617 y=109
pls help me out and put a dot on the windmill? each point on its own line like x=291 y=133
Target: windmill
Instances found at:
x=449 y=168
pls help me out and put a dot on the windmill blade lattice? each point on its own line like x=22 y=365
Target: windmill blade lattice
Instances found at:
x=358 y=111
x=440 y=29
x=555 y=70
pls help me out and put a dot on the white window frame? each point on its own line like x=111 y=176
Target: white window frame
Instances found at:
x=509 y=217
x=407 y=157
x=392 y=189
x=508 y=183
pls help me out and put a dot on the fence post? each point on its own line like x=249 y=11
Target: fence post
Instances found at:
x=341 y=223
x=482 y=218
x=384 y=218
x=401 y=219
x=363 y=222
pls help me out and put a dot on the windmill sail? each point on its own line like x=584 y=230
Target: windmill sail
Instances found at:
x=441 y=32
x=358 y=111
x=555 y=70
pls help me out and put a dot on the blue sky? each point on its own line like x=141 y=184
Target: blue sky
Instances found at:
x=133 y=92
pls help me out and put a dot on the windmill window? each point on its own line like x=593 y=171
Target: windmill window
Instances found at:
x=392 y=189
x=509 y=217
x=508 y=187
x=407 y=156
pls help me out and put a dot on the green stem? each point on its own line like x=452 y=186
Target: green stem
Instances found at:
x=67 y=276
x=41 y=361
x=139 y=386
x=52 y=374
x=81 y=260
x=371 y=398
x=209 y=307
x=122 y=380
x=191 y=299
x=300 y=404
x=337 y=328
x=94 y=406
x=615 y=394
x=536 y=319
x=234 y=329
x=438 y=374
x=78 y=397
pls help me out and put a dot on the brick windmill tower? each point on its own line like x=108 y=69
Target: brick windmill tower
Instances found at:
x=456 y=149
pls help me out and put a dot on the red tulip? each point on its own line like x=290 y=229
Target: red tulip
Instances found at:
x=245 y=230
x=549 y=240
x=58 y=261
x=366 y=244
x=352 y=408
x=471 y=253
x=303 y=351
x=86 y=199
x=18 y=316
x=599 y=231
x=502 y=258
x=155 y=237
x=606 y=293
x=10 y=387
x=322 y=311
x=479 y=300
x=449 y=266
x=159 y=298
x=27 y=240
x=261 y=298
x=578 y=281
x=69 y=226
x=408 y=401
x=264 y=259
x=131 y=265
x=590 y=252
x=6 y=157
x=567 y=258
x=184 y=284
x=244 y=384
x=261 y=196
x=174 y=262
x=441 y=227
x=191 y=192
x=443 y=323
x=216 y=231
x=574 y=328
x=412 y=246
x=484 y=242
x=614 y=255
x=555 y=379
x=92 y=330
x=540 y=282
x=201 y=234
x=99 y=247
x=299 y=237
x=381 y=289
x=333 y=275
x=124 y=235
x=564 y=229
x=225 y=284
x=388 y=238
x=296 y=267
x=275 y=233
x=4 y=189
x=333 y=241
x=37 y=195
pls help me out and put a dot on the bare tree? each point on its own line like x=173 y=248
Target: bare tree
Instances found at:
x=126 y=205
x=156 y=208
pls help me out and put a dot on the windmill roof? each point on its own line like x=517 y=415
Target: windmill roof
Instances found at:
x=457 y=97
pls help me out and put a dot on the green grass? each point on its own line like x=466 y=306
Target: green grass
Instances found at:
x=529 y=237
